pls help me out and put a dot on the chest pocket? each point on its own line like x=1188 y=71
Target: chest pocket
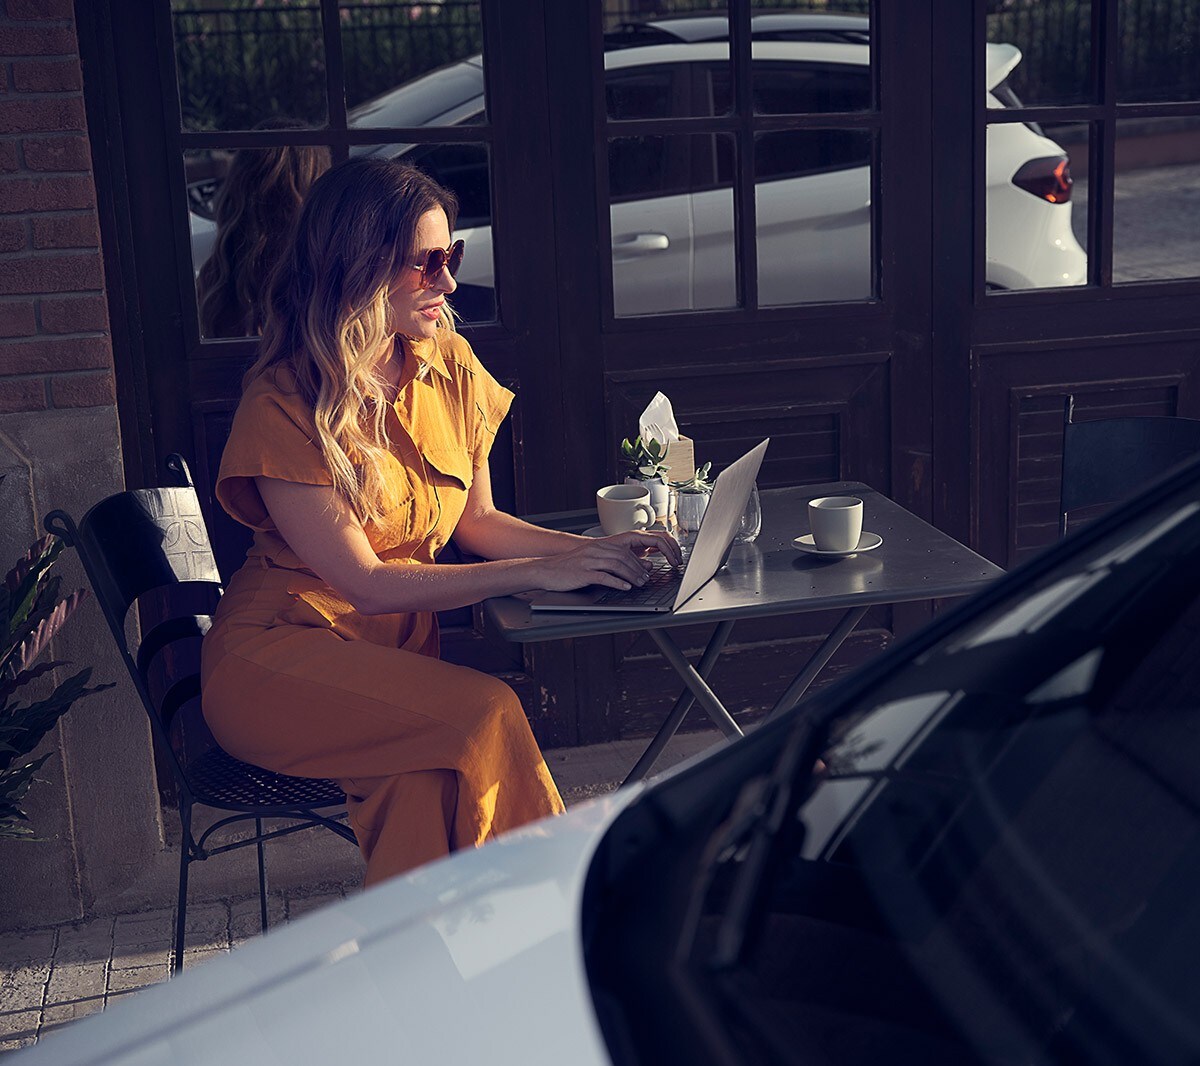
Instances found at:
x=451 y=462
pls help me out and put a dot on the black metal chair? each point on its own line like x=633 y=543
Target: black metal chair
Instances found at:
x=1108 y=459
x=151 y=547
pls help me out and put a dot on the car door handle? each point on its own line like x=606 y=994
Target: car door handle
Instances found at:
x=629 y=245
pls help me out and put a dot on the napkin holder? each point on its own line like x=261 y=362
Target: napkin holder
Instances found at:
x=681 y=459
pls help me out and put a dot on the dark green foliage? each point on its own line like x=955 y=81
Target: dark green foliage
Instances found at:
x=31 y=613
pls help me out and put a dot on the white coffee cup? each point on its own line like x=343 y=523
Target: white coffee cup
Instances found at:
x=836 y=522
x=624 y=507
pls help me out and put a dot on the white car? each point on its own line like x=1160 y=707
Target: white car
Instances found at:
x=995 y=862
x=672 y=205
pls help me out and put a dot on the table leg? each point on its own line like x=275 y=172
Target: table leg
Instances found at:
x=682 y=705
x=816 y=664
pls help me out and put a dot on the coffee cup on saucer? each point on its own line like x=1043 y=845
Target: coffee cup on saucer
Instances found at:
x=624 y=507
x=836 y=522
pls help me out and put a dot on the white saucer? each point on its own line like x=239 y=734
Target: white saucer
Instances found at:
x=593 y=531
x=867 y=542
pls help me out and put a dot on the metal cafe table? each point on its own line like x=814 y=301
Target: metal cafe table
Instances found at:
x=770 y=577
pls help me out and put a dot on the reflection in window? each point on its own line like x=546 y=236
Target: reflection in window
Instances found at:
x=242 y=205
x=1158 y=51
x=389 y=48
x=1156 y=208
x=238 y=64
x=1036 y=206
x=1039 y=52
x=814 y=219
x=672 y=222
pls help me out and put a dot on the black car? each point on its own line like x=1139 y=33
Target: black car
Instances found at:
x=984 y=848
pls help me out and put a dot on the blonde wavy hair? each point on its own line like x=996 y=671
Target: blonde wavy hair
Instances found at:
x=327 y=313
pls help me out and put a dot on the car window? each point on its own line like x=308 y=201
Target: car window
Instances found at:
x=463 y=168
x=796 y=88
x=641 y=92
x=1021 y=809
x=796 y=153
x=643 y=167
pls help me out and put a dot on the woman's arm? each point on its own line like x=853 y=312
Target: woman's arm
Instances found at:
x=327 y=536
x=493 y=534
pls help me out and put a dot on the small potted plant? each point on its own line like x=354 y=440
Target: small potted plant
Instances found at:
x=646 y=461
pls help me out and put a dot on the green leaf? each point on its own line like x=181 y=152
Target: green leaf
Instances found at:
x=37 y=719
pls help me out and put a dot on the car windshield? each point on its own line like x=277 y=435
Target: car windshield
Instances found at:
x=998 y=861
x=423 y=101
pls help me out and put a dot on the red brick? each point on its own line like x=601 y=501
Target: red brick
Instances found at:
x=13 y=235
x=83 y=390
x=46 y=355
x=18 y=40
x=16 y=319
x=50 y=114
x=66 y=231
x=21 y=394
x=47 y=75
x=59 y=193
x=57 y=153
x=73 y=314
x=40 y=9
x=35 y=274
x=8 y=157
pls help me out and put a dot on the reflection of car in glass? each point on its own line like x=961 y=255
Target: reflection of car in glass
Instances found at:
x=672 y=209
x=997 y=863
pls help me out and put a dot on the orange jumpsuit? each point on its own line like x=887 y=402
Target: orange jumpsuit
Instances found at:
x=433 y=757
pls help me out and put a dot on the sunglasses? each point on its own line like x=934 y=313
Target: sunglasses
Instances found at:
x=440 y=259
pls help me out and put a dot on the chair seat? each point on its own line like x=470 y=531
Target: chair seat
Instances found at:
x=220 y=780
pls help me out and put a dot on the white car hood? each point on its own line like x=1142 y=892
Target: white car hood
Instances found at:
x=473 y=959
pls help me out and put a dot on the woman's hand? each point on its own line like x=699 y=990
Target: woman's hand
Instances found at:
x=618 y=562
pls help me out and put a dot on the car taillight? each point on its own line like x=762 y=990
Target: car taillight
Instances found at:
x=1048 y=179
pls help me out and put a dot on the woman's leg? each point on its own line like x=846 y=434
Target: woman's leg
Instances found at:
x=307 y=702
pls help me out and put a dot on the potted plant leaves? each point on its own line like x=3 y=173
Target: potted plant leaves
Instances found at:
x=31 y=613
x=645 y=460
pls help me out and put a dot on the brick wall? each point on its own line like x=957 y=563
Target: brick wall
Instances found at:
x=54 y=346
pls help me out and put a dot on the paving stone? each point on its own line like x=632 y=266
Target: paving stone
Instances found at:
x=148 y=930
x=76 y=982
x=62 y=1013
x=138 y=958
x=121 y=982
x=19 y=949
x=19 y=1029
x=198 y=957
x=23 y=988
x=84 y=942
x=244 y=921
x=307 y=904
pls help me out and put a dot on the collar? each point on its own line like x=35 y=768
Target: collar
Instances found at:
x=427 y=354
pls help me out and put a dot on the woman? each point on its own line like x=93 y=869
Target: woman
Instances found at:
x=359 y=448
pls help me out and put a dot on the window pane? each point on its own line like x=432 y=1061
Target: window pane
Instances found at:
x=1156 y=209
x=1036 y=210
x=241 y=205
x=240 y=66
x=1039 y=52
x=413 y=64
x=1158 y=50
x=672 y=223
x=813 y=210
x=656 y=64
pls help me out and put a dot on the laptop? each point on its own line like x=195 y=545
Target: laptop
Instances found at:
x=669 y=589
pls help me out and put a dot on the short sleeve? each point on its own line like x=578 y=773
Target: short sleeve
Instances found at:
x=272 y=436
x=492 y=401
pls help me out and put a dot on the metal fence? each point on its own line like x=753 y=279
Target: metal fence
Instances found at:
x=240 y=65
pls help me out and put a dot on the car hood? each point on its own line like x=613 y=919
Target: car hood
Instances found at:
x=475 y=958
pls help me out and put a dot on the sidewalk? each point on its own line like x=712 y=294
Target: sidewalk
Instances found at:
x=51 y=976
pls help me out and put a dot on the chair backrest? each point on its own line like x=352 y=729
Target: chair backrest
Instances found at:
x=151 y=547
x=1106 y=460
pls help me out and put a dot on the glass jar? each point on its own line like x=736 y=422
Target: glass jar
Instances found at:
x=751 y=524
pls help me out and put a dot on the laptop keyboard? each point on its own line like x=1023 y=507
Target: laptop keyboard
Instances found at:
x=661 y=587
